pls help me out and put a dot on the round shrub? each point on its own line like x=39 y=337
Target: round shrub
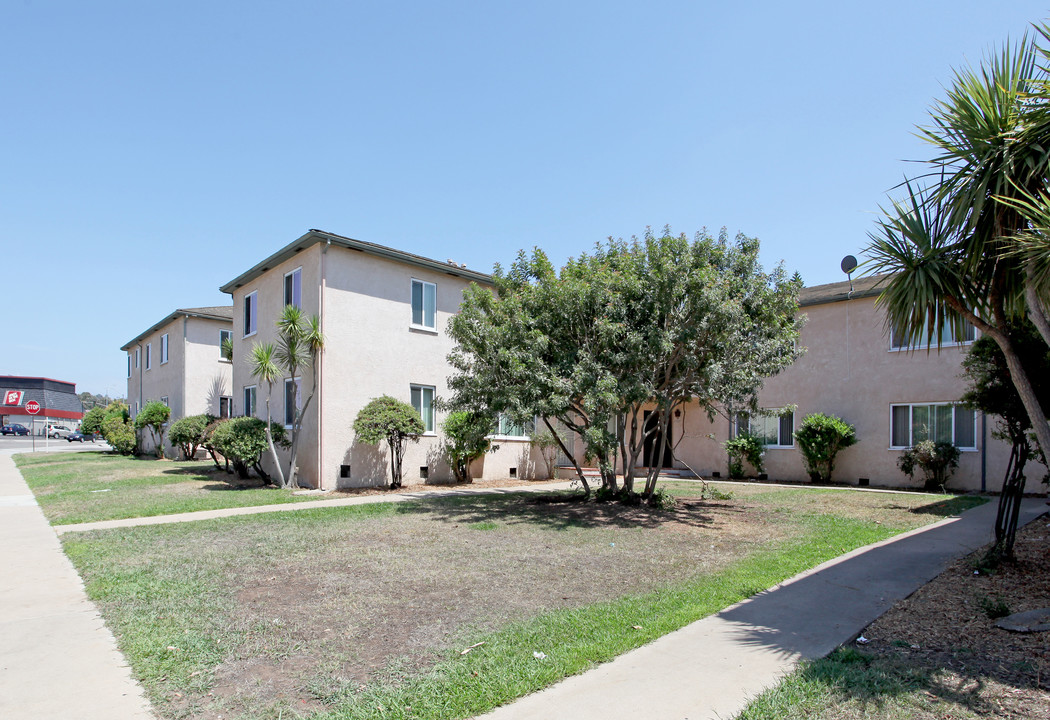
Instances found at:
x=820 y=437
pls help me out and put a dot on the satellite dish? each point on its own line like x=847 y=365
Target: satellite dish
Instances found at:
x=849 y=264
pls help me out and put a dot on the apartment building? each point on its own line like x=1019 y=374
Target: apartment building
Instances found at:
x=179 y=362
x=383 y=313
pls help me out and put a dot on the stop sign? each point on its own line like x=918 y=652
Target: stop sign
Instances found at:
x=32 y=407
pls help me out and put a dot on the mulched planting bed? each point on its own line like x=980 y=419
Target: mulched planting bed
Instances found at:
x=946 y=631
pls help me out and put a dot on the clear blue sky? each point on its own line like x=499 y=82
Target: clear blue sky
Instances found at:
x=151 y=151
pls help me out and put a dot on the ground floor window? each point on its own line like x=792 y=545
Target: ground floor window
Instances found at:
x=225 y=406
x=423 y=402
x=509 y=428
x=940 y=422
x=293 y=400
x=249 y=401
x=773 y=427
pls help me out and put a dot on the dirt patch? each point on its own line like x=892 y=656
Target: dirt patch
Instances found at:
x=945 y=628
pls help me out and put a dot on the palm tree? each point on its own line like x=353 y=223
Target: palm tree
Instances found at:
x=951 y=245
x=263 y=361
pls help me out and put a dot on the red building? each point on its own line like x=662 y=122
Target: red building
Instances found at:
x=58 y=402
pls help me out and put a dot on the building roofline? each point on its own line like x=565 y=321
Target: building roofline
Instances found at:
x=182 y=312
x=863 y=287
x=312 y=237
x=35 y=377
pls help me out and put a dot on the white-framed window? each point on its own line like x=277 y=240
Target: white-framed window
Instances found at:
x=423 y=402
x=774 y=428
x=249 y=401
x=940 y=422
x=224 y=335
x=293 y=400
x=508 y=428
x=293 y=288
x=899 y=339
x=129 y=364
x=251 y=312
x=424 y=304
x=138 y=356
x=149 y=355
x=164 y=399
x=164 y=348
x=225 y=406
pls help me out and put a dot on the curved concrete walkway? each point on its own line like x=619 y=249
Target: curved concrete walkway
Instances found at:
x=712 y=668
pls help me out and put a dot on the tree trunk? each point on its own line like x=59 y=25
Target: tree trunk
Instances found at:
x=269 y=441
x=1036 y=308
x=572 y=458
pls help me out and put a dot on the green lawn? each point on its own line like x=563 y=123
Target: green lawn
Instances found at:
x=87 y=486
x=363 y=612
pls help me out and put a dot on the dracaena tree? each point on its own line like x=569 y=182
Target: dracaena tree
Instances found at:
x=965 y=242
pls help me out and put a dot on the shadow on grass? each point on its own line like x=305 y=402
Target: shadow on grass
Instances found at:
x=563 y=512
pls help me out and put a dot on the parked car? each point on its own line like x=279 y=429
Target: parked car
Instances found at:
x=14 y=429
x=80 y=436
x=58 y=431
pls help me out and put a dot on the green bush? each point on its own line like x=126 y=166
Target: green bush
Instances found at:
x=820 y=437
x=386 y=419
x=189 y=433
x=242 y=442
x=937 y=461
x=152 y=417
x=119 y=433
x=466 y=439
x=92 y=422
x=744 y=446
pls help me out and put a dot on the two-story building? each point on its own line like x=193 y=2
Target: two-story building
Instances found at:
x=855 y=367
x=179 y=362
x=383 y=313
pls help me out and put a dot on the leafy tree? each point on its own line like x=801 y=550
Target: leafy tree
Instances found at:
x=820 y=437
x=936 y=460
x=658 y=321
x=153 y=416
x=992 y=392
x=92 y=421
x=189 y=433
x=243 y=440
x=299 y=344
x=965 y=242
x=466 y=439
x=386 y=419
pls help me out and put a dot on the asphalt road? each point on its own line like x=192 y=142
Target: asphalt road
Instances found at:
x=11 y=444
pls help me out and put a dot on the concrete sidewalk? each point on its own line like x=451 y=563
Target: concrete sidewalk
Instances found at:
x=713 y=667
x=57 y=658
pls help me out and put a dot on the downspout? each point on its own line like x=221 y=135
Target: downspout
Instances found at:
x=319 y=369
x=984 y=451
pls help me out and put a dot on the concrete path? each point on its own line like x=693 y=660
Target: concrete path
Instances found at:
x=713 y=667
x=57 y=658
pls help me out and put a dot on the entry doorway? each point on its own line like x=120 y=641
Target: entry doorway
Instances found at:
x=651 y=419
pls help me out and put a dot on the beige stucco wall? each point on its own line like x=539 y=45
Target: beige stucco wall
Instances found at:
x=191 y=379
x=848 y=370
x=270 y=289
x=370 y=350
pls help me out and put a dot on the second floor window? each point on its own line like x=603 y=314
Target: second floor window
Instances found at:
x=424 y=304
x=251 y=311
x=164 y=348
x=899 y=339
x=293 y=288
x=149 y=355
x=225 y=336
